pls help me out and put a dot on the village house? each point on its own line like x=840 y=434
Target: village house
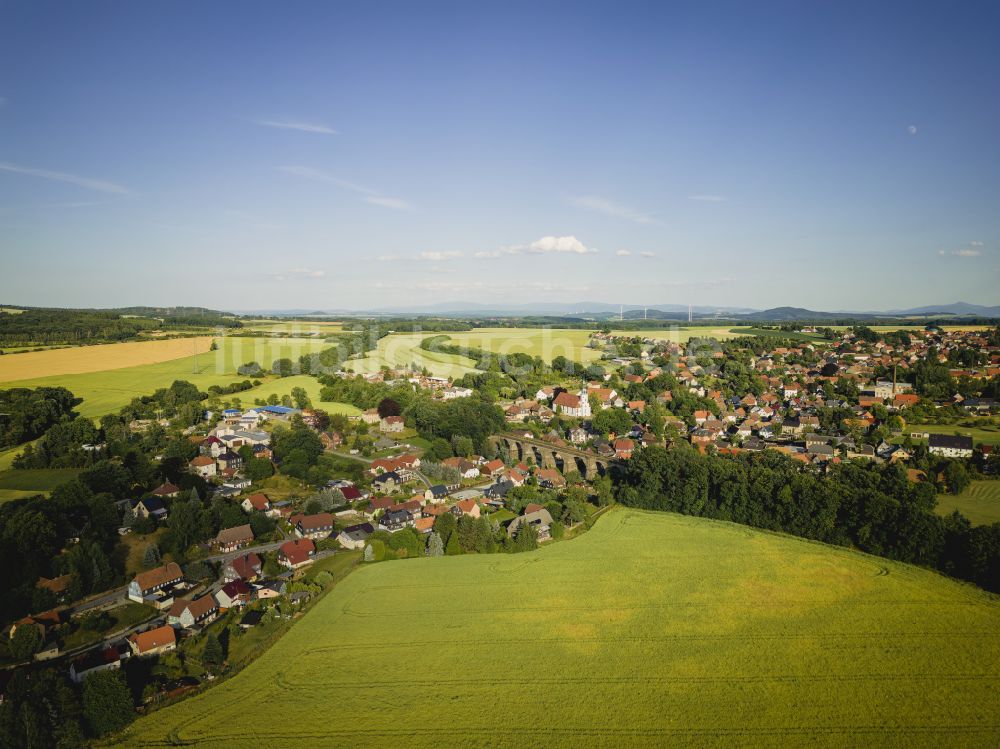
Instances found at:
x=467 y=507
x=150 y=507
x=540 y=519
x=395 y=519
x=231 y=539
x=296 y=553
x=256 y=502
x=151 y=584
x=204 y=466
x=234 y=594
x=392 y=424
x=950 y=445
x=190 y=613
x=316 y=526
x=246 y=567
x=355 y=536
x=102 y=659
x=154 y=642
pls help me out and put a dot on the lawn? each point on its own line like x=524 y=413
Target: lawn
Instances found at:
x=649 y=630
x=980 y=503
x=16 y=484
x=107 y=391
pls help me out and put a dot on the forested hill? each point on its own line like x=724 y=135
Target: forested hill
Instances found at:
x=39 y=326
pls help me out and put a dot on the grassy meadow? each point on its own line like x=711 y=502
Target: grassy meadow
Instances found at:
x=284 y=385
x=980 y=503
x=985 y=430
x=17 y=484
x=649 y=630
x=546 y=343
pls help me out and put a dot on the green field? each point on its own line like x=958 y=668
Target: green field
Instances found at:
x=108 y=390
x=284 y=386
x=15 y=484
x=980 y=503
x=649 y=630
x=987 y=430
x=403 y=350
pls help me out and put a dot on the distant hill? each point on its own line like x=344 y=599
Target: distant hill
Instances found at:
x=957 y=308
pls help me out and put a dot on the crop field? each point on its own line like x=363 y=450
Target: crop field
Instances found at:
x=980 y=503
x=107 y=391
x=547 y=343
x=649 y=630
x=80 y=359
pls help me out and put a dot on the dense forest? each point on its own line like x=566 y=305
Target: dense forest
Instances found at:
x=25 y=414
x=35 y=327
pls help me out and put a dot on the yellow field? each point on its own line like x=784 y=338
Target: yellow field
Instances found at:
x=649 y=630
x=106 y=391
x=546 y=343
x=83 y=359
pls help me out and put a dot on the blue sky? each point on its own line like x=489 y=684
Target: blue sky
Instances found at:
x=325 y=155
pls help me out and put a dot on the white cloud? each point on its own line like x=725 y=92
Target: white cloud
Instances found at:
x=976 y=243
x=374 y=197
x=647 y=254
x=622 y=253
x=611 y=208
x=709 y=198
x=559 y=244
x=541 y=246
x=961 y=253
x=73 y=179
x=912 y=129
x=300 y=274
x=304 y=127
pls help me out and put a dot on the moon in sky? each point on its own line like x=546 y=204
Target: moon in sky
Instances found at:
x=912 y=129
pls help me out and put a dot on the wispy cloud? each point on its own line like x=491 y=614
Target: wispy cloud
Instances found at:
x=73 y=179
x=622 y=253
x=438 y=256
x=611 y=208
x=647 y=254
x=300 y=274
x=911 y=129
x=709 y=198
x=434 y=256
x=973 y=250
x=399 y=205
x=374 y=197
x=302 y=127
